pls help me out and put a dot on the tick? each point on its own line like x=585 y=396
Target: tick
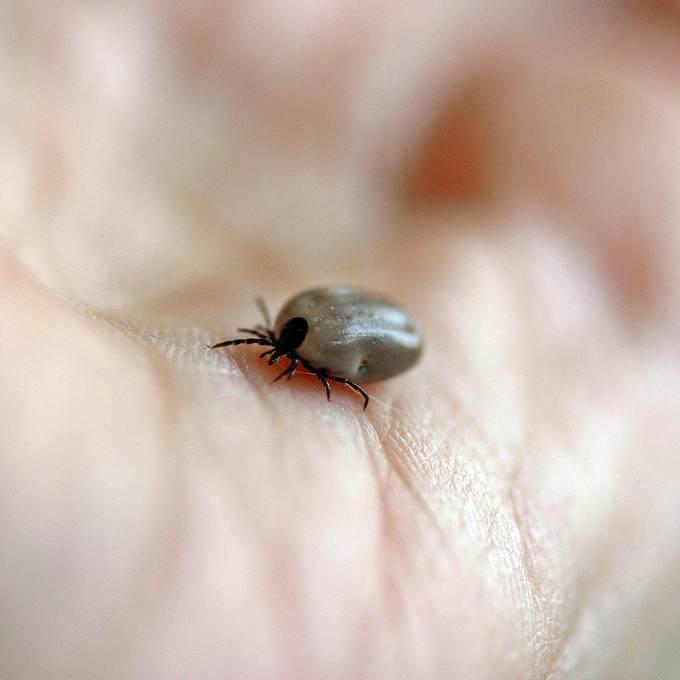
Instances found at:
x=340 y=335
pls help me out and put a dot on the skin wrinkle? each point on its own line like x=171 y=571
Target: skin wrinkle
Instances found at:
x=389 y=446
x=393 y=548
x=525 y=567
x=549 y=651
x=535 y=618
x=526 y=578
x=577 y=613
x=391 y=442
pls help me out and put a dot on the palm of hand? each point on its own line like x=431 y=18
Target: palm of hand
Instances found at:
x=504 y=510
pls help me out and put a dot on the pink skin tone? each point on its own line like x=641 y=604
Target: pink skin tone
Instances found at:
x=507 y=508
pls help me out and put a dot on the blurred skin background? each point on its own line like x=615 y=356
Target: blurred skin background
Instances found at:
x=510 y=172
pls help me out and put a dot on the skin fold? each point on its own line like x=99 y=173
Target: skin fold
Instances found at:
x=508 y=508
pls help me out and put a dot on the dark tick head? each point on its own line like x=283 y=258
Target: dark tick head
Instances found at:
x=292 y=335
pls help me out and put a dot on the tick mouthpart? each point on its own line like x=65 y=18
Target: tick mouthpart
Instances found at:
x=278 y=353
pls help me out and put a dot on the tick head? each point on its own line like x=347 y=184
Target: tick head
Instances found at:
x=293 y=334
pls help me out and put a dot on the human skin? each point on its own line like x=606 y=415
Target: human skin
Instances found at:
x=506 y=509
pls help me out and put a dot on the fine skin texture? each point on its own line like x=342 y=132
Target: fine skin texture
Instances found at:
x=355 y=334
x=507 y=509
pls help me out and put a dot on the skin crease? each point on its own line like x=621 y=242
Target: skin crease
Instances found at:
x=506 y=509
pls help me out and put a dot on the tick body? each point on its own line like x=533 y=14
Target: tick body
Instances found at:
x=339 y=335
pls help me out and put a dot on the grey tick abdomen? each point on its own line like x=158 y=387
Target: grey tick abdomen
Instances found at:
x=354 y=334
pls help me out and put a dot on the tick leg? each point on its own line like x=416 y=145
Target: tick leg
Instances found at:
x=269 y=351
x=243 y=341
x=267 y=331
x=253 y=331
x=321 y=375
x=274 y=357
x=296 y=361
x=262 y=306
x=290 y=371
x=326 y=384
x=353 y=385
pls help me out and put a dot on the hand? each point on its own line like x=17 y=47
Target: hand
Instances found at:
x=507 y=509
